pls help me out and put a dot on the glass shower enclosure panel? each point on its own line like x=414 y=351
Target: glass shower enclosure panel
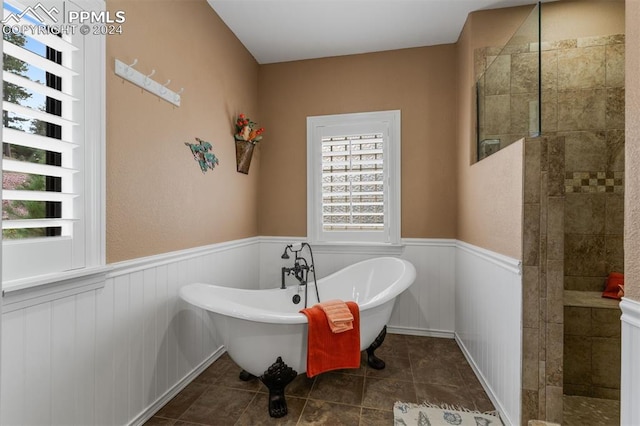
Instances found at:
x=508 y=92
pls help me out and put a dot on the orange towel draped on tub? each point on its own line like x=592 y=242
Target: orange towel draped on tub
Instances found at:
x=327 y=350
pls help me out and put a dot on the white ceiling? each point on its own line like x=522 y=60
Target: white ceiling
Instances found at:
x=288 y=30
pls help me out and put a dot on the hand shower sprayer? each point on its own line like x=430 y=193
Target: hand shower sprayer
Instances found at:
x=285 y=255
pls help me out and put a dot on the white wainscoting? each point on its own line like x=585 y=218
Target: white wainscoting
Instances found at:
x=488 y=310
x=114 y=355
x=630 y=374
x=426 y=309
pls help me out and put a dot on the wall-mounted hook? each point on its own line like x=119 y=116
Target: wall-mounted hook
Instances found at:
x=147 y=79
x=130 y=66
x=163 y=89
x=177 y=97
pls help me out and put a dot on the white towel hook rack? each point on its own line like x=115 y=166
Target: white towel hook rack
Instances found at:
x=145 y=81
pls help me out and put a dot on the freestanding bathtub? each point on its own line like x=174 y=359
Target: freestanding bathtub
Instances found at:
x=258 y=326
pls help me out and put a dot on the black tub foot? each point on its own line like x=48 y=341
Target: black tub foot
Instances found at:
x=372 y=359
x=245 y=376
x=276 y=378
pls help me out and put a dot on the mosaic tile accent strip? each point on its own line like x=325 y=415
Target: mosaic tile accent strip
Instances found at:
x=590 y=182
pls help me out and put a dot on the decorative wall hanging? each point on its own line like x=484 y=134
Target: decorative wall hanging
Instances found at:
x=205 y=159
x=246 y=136
x=139 y=79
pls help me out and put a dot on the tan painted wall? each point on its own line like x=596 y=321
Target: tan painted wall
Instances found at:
x=158 y=200
x=420 y=82
x=489 y=192
x=563 y=20
x=168 y=204
x=632 y=153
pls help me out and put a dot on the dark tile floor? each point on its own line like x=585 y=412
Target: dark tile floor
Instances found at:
x=418 y=369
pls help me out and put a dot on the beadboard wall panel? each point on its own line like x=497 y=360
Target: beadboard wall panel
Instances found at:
x=426 y=308
x=113 y=355
x=488 y=312
x=630 y=374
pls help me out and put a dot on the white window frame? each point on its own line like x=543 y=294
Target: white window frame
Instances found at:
x=88 y=259
x=389 y=123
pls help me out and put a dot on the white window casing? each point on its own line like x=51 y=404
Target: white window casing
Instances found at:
x=80 y=243
x=353 y=178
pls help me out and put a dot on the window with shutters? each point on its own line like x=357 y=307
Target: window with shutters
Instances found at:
x=354 y=178
x=52 y=150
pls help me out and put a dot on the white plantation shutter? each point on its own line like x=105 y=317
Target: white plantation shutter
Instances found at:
x=354 y=177
x=57 y=145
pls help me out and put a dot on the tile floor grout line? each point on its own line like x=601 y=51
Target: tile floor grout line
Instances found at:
x=255 y=395
x=194 y=401
x=364 y=386
x=338 y=403
x=306 y=401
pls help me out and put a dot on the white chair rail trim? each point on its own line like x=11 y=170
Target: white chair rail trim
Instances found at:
x=142 y=263
x=630 y=312
x=506 y=262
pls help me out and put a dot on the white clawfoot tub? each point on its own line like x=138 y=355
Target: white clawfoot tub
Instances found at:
x=258 y=326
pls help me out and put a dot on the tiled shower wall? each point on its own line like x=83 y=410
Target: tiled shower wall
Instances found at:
x=589 y=87
x=592 y=351
x=583 y=99
x=543 y=266
x=582 y=92
x=508 y=92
